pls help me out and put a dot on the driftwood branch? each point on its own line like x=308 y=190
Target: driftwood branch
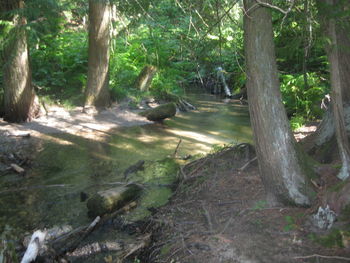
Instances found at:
x=36 y=242
x=68 y=242
x=247 y=164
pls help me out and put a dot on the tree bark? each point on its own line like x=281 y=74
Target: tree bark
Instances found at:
x=19 y=95
x=334 y=31
x=281 y=169
x=144 y=80
x=336 y=121
x=97 y=93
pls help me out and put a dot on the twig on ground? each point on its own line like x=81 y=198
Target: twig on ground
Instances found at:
x=85 y=233
x=177 y=148
x=184 y=245
x=145 y=240
x=184 y=175
x=208 y=217
x=322 y=256
x=198 y=167
x=247 y=164
x=230 y=221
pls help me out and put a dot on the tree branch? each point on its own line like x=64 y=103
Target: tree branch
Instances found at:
x=273 y=6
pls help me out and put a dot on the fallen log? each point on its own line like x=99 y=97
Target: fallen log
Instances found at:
x=68 y=242
x=113 y=199
x=96 y=247
x=17 y=168
x=161 y=112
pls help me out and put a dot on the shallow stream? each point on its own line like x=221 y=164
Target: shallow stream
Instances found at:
x=68 y=164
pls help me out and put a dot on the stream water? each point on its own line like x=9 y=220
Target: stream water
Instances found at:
x=68 y=165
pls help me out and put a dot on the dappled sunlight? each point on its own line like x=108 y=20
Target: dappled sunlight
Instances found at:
x=201 y=138
x=83 y=152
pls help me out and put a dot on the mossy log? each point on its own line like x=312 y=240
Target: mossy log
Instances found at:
x=107 y=201
x=144 y=80
x=161 y=112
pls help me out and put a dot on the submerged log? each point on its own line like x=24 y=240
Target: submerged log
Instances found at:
x=161 y=112
x=134 y=168
x=113 y=199
x=144 y=80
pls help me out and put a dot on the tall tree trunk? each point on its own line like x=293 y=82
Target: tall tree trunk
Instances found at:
x=337 y=29
x=97 y=93
x=281 y=169
x=19 y=94
x=335 y=33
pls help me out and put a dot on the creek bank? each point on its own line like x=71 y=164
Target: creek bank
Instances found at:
x=219 y=214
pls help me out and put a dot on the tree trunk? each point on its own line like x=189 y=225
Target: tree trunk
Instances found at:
x=97 y=93
x=281 y=169
x=144 y=80
x=336 y=121
x=19 y=96
x=334 y=32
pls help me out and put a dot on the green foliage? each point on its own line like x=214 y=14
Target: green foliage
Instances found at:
x=261 y=204
x=297 y=122
x=184 y=39
x=60 y=65
x=291 y=225
x=302 y=102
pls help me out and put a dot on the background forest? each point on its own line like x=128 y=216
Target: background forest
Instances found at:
x=185 y=40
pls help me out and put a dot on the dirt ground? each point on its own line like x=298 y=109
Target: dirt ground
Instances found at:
x=18 y=148
x=219 y=214
x=86 y=123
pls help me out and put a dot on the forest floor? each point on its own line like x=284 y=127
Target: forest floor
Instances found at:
x=217 y=214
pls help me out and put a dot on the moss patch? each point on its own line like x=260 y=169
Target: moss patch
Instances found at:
x=157 y=172
x=152 y=198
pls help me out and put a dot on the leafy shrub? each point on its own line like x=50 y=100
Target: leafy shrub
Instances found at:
x=297 y=122
x=300 y=101
x=60 y=65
